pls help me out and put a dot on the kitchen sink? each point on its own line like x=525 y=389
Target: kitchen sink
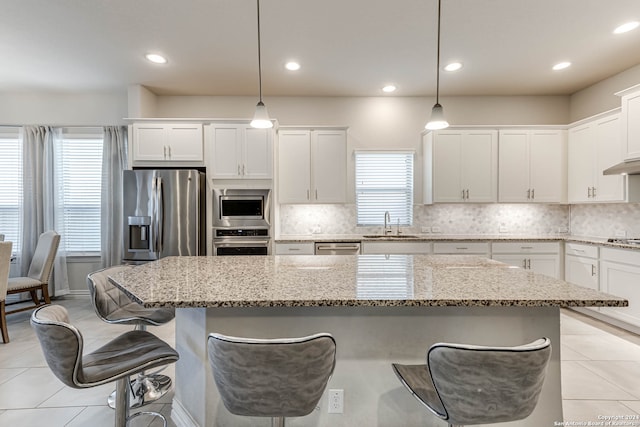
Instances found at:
x=390 y=236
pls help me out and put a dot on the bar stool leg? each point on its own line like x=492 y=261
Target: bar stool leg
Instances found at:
x=277 y=422
x=122 y=399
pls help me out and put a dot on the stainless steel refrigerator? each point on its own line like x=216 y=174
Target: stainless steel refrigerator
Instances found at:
x=164 y=214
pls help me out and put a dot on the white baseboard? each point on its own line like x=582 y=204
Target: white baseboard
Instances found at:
x=607 y=319
x=180 y=416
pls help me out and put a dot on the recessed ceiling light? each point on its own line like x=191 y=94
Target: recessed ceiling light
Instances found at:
x=626 y=27
x=292 y=66
x=155 y=58
x=454 y=66
x=389 y=88
x=561 y=66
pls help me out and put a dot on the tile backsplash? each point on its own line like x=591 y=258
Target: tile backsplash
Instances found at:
x=606 y=220
x=517 y=219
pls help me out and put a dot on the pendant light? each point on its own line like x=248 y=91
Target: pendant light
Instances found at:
x=437 y=120
x=261 y=117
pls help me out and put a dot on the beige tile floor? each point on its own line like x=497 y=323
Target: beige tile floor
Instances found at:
x=600 y=373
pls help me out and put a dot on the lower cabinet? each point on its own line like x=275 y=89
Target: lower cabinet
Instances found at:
x=396 y=247
x=620 y=276
x=539 y=257
x=306 y=248
x=581 y=265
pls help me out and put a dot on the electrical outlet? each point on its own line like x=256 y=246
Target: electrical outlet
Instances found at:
x=621 y=233
x=425 y=229
x=563 y=229
x=336 y=401
x=436 y=230
x=504 y=229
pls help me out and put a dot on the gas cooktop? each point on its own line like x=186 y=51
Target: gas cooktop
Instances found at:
x=624 y=240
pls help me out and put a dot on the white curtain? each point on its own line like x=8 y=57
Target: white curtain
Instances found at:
x=41 y=210
x=114 y=161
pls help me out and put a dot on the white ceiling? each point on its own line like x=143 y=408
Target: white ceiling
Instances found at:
x=346 y=47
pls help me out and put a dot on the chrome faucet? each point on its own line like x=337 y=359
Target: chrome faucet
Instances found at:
x=387 y=223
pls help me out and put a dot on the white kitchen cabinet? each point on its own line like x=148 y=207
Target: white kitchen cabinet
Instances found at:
x=593 y=147
x=239 y=151
x=461 y=166
x=532 y=166
x=620 y=276
x=539 y=257
x=395 y=247
x=161 y=143
x=630 y=123
x=302 y=248
x=462 y=248
x=312 y=166
x=581 y=266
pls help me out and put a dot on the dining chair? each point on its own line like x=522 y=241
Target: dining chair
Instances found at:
x=37 y=278
x=5 y=263
x=469 y=384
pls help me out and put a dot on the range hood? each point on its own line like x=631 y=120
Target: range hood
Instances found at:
x=628 y=167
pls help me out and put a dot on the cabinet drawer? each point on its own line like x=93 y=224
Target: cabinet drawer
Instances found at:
x=620 y=255
x=461 y=248
x=577 y=249
x=294 y=248
x=525 y=247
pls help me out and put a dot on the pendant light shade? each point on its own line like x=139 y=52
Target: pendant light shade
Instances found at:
x=261 y=117
x=437 y=120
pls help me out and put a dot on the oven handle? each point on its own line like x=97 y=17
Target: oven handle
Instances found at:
x=241 y=243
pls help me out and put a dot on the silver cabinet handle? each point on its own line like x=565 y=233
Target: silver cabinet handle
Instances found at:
x=588 y=191
x=529 y=194
x=529 y=263
x=316 y=194
x=524 y=263
x=593 y=191
x=463 y=194
x=533 y=193
x=238 y=169
x=462 y=249
x=243 y=170
x=169 y=149
x=338 y=248
x=165 y=152
x=308 y=194
x=526 y=247
x=593 y=270
x=293 y=249
x=467 y=194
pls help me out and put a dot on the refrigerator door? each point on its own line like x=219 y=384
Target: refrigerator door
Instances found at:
x=163 y=214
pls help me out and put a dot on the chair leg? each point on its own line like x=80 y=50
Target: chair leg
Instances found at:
x=3 y=323
x=45 y=294
x=34 y=296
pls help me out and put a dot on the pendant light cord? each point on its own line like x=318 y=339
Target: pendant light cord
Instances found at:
x=259 y=56
x=438 y=58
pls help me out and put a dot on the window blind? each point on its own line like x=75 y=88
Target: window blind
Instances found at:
x=78 y=176
x=11 y=186
x=384 y=182
x=385 y=277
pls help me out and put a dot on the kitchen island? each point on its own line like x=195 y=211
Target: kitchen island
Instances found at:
x=380 y=309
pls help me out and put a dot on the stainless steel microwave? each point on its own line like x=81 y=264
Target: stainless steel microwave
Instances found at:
x=241 y=207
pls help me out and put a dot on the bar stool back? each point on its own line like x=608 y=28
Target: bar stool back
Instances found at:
x=274 y=378
x=127 y=354
x=469 y=385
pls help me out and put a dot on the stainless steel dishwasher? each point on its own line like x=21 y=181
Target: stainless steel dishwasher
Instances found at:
x=337 y=248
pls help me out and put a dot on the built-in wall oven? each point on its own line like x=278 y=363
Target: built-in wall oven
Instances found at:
x=241 y=221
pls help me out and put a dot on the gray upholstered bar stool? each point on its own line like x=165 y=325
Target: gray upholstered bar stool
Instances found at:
x=468 y=384
x=274 y=378
x=126 y=355
x=115 y=307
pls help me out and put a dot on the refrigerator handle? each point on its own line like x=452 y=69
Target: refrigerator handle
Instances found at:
x=159 y=216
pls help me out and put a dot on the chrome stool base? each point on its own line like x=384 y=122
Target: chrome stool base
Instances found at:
x=144 y=389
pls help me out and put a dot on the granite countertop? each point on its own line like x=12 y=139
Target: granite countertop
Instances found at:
x=305 y=238
x=359 y=280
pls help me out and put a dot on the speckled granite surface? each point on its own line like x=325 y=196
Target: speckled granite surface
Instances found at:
x=362 y=280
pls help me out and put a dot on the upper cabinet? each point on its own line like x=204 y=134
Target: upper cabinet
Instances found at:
x=593 y=147
x=532 y=166
x=238 y=151
x=631 y=122
x=461 y=166
x=166 y=143
x=312 y=166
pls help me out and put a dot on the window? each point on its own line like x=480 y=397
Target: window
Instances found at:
x=11 y=186
x=78 y=180
x=384 y=182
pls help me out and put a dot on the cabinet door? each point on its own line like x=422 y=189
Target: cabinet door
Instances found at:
x=447 y=176
x=581 y=271
x=547 y=170
x=513 y=164
x=149 y=142
x=294 y=166
x=184 y=142
x=257 y=153
x=621 y=280
x=631 y=125
x=479 y=166
x=549 y=265
x=226 y=152
x=329 y=167
x=608 y=152
x=581 y=164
